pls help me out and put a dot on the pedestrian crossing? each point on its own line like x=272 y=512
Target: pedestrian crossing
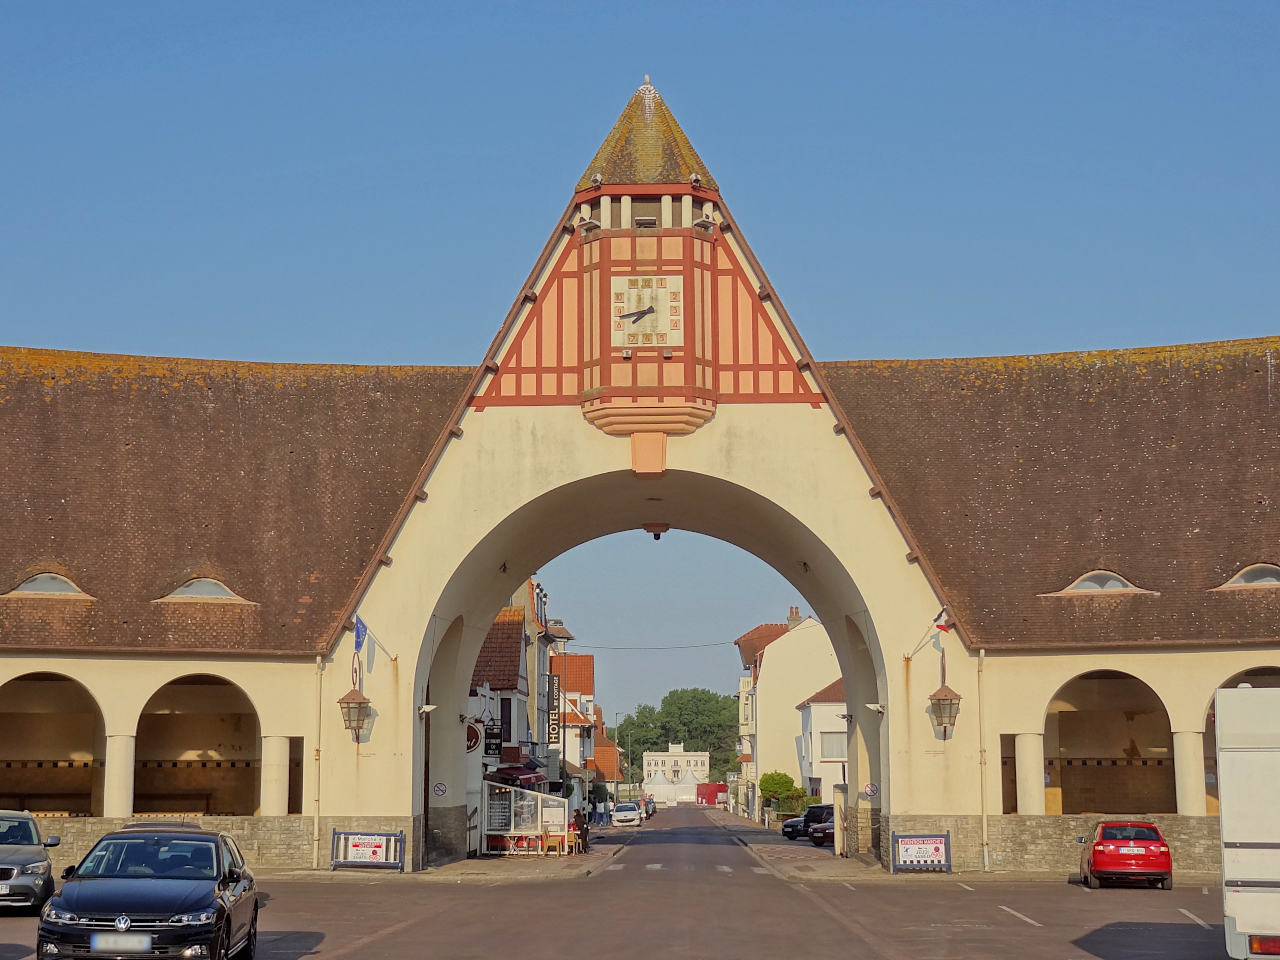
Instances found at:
x=720 y=868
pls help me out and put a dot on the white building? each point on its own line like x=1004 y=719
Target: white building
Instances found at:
x=786 y=663
x=675 y=774
x=824 y=741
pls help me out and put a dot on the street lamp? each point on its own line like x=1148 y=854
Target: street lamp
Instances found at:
x=946 y=705
x=355 y=708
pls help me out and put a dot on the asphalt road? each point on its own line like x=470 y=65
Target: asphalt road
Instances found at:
x=683 y=888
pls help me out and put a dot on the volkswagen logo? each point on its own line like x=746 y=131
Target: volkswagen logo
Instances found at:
x=122 y=923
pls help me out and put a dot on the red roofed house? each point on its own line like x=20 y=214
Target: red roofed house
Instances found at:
x=824 y=741
x=607 y=756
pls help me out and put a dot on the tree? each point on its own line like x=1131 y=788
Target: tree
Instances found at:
x=696 y=717
x=776 y=785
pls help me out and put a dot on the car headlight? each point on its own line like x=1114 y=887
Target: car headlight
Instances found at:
x=39 y=869
x=55 y=914
x=199 y=918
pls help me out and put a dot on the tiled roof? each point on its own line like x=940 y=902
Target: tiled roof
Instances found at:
x=743 y=758
x=131 y=475
x=577 y=672
x=833 y=692
x=756 y=639
x=1019 y=474
x=646 y=145
x=557 y=629
x=608 y=760
x=502 y=652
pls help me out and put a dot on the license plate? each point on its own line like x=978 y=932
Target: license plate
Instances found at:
x=4 y=889
x=1132 y=850
x=120 y=943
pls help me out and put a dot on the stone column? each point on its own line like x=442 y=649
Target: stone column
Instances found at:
x=1188 y=772
x=118 y=788
x=274 y=796
x=1028 y=754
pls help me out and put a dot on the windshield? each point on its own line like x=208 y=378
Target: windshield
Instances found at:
x=627 y=808
x=179 y=858
x=17 y=832
x=1129 y=833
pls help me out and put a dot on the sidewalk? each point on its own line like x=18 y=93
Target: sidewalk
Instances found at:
x=606 y=843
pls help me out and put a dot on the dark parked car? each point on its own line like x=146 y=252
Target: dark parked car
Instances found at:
x=823 y=833
x=797 y=828
x=650 y=807
x=155 y=890
x=26 y=874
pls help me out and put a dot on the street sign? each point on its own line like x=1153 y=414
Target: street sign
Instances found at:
x=349 y=849
x=871 y=790
x=493 y=740
x=553 y=709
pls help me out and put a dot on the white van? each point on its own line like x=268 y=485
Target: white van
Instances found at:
x=1248 y=731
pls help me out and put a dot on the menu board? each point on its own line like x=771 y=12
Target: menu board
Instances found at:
x=499 y=813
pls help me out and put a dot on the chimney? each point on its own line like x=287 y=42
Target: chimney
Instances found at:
x=793 y=618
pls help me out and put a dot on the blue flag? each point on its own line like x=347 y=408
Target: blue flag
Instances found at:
x=362 y=629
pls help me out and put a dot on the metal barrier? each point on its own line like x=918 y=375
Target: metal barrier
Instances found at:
x=379 y=850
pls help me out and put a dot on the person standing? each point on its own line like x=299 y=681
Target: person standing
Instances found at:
x=580 y=826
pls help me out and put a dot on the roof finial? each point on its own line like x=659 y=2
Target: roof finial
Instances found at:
x=646 y=78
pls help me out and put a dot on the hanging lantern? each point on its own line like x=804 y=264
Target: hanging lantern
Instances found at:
x=355 y=708
x=946 y=706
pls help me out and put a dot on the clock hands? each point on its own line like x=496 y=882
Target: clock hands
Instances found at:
x=634 y=317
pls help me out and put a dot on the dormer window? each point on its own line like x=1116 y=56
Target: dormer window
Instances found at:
x=1098 y=582
x=48 y=585
x=1257 y=575
x=205 y=588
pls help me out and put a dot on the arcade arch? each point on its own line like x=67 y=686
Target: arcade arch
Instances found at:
x=596 y=506
x=51 y=754
x=197 y=750
x=1264 y=676
x=1107 y=747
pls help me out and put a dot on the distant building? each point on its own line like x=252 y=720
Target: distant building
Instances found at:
x=675 y=774
x=824 y=741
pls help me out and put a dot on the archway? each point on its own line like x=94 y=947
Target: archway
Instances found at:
x=51 y=754
x=1266 y=676
x=198 y=750
x=1108 y=748
x=609 y=503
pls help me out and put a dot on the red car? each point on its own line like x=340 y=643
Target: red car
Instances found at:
x=1125 y=850
x=823 y=833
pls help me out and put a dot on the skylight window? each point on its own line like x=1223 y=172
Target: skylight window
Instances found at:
x=205 y=588
x=47 y=585
x=1257 y=575
x=1098 y=582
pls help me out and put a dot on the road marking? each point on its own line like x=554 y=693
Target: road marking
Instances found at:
x=966 y=886
x=852 y=887
x=723 y=869
x=1020 y=916
x=759 y=869
x=653 y=866
x=1188 y=913
x=615 y=866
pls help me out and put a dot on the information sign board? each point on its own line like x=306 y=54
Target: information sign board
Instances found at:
x=350 y=849
x=921 y=852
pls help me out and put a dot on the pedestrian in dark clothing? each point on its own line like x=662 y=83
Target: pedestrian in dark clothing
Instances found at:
x=580 y=825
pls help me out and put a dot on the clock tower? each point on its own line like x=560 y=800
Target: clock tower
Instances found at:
x=647 y=309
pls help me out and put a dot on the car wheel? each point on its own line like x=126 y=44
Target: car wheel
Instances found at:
x=1166 y=883
x=250 y=948
x=818 y=841
x=1090 y=881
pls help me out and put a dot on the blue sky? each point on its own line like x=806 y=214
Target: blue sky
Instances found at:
x=371 y=183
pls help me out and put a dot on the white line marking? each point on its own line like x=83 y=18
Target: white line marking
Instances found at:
x=615 y=866
x=966 y=886
x=759 y=870
x=1020 y=916
x=852 y=887
x=653 y=866
x=723 y=869
x=1188 y=913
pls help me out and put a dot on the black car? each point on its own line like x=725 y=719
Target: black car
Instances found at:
x=797 y=828
x=650 y=807
x=155 y=890
x=26 y=873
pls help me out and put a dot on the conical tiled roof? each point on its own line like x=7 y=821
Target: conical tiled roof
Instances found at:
x=646 y=145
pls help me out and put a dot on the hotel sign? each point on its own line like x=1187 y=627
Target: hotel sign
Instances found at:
x=553 y=709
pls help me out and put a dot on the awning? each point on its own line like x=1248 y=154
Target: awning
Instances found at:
x=516 y=776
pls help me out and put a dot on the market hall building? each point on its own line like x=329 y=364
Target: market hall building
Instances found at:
x=188 y=545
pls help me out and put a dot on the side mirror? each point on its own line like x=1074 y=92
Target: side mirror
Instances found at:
x=1079 y=839
x=52 y=841
x=232 y=875
x=68 y=873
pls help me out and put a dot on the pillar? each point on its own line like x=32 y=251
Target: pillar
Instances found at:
x=606 y=213
x=686 y=211
x=1188 y=772
x=624 y=214
x=118 y=786
x=1028 y=754
x=667 y=216
x=273 y=798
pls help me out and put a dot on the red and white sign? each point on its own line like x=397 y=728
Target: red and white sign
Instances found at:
x=367 y=849
x=928 y=850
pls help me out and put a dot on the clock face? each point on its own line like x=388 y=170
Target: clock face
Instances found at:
x=647 y=311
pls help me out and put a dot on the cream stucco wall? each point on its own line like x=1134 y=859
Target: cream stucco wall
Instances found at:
x=797 y=665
